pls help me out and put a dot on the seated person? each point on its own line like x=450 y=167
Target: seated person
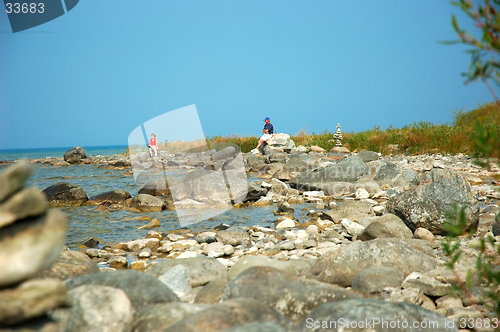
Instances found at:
x=153 y=146
x=268 y=133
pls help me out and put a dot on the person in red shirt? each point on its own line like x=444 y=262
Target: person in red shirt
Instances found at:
x=153 y=146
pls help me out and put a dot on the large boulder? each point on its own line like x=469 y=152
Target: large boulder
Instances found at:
x=291 y=296
x=341 y=265
x=350 y=209
x=69 y=265
x=375 y=279
x=65 y=194
x=147 y=203
x=388 y=225
x=374 y=315
x=429 y=204
x=247 y=262
x=114 y=196
x=299 y=162
x=390 y=174
x=227 y=314
x=99 y=308
x=234 y=236
x=255 y=192
x=201 y=269
x=157 y=187
x=75 y=154
x=495 y=227
x=210 y=187
x=142 y=289
x=161 y=316
x=324 y=178
x=281 y=141
x=368 y=156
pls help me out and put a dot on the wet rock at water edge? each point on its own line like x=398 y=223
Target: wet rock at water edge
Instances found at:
x=75 y=154
x=114 y=196
x=147 y=203
x=65 y=194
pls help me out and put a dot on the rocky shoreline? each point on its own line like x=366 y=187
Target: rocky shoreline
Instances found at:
x=370 y=249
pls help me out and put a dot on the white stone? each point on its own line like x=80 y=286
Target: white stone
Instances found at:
x=290 y=235
x=266 y=185
x=175 y=237
x=286 y=223
x=252 y=250
x=352 y=227
x=380 y=194
x=362 y=193
x=379 y=210
x=314 y=194
x=188 y=254
x=302 y=234
x=312 y=229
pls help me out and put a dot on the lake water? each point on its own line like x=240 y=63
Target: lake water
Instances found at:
x=113 y=227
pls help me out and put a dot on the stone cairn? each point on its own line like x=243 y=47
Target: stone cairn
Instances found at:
x=31 y=239
x=338 y=136
x=338 y=151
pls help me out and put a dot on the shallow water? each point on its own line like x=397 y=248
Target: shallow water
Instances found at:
x=110 y=227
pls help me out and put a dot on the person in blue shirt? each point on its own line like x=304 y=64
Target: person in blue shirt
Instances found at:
x=268 y=133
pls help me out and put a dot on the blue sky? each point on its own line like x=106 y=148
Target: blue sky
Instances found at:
x=91 y=76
